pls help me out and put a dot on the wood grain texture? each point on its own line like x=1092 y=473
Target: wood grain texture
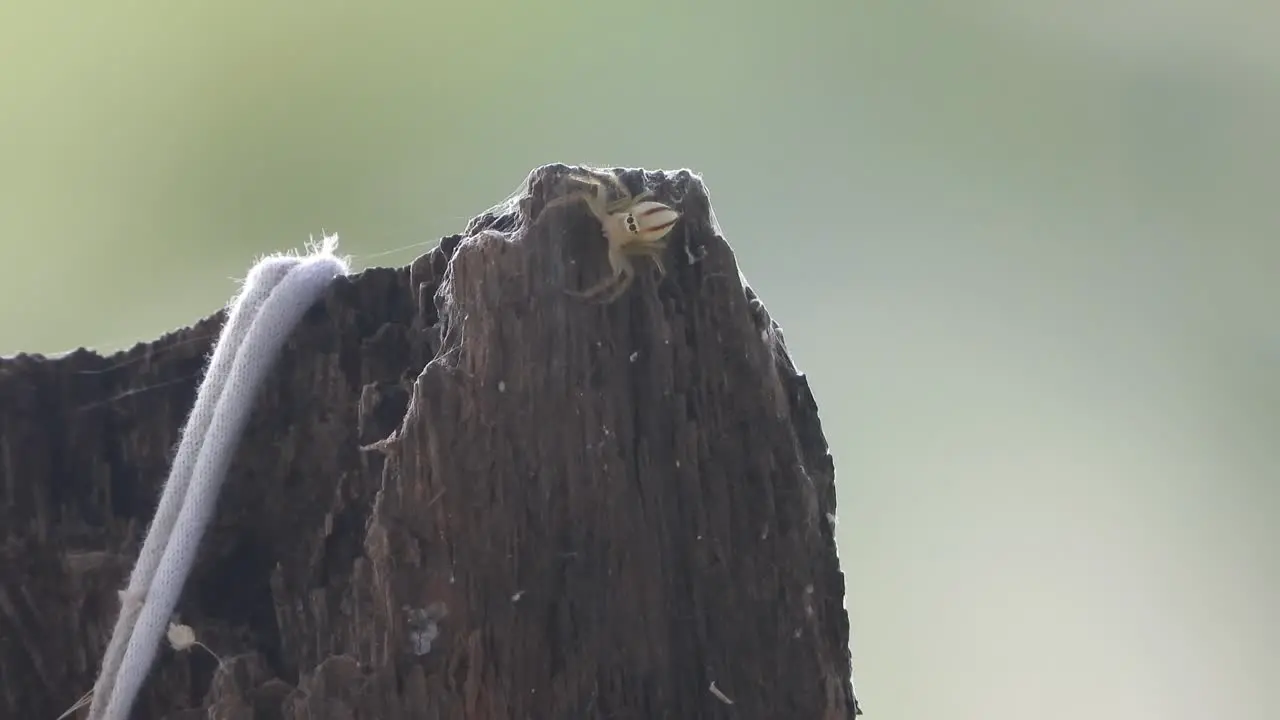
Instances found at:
x=561 y=509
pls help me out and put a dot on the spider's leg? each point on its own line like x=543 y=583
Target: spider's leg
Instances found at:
x=575 y=196
x=599 y=202
x=567 y=198
x=656 y=256
x=621 y=266
x=610 y=181
x=594 y=290
x=627 y=201
x=652 y=249
x=594 y=176
x=624 y=281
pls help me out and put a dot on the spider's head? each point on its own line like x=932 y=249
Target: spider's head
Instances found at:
x=648 y=221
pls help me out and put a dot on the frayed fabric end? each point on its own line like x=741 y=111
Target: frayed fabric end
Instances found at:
x=327 y=247
x=328 y=244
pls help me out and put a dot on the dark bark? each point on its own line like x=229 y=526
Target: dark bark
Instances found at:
x=602 y=509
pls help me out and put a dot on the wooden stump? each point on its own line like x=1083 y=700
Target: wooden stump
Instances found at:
x=462 y=494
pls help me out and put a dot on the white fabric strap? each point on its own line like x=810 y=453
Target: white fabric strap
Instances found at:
x=277 y=292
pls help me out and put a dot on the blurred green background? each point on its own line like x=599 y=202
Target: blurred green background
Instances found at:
x=1027 y=252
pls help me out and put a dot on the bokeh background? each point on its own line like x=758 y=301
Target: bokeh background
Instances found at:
x=1027 y=252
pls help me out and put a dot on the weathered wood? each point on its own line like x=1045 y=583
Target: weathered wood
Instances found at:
x=582 y=511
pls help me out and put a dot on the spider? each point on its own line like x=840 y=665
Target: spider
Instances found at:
x=633 y=226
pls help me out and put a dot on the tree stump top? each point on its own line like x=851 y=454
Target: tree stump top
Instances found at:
x=462 y=494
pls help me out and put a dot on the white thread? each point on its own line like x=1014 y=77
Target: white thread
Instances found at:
x=279 y=290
